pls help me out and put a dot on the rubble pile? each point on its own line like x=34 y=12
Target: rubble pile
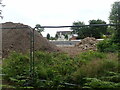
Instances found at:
x=88 y=43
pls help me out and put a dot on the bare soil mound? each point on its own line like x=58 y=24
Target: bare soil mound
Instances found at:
x=19 y=40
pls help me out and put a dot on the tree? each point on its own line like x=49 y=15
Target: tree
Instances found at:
x=97 y=31
x=115 y=18
x=0 y=9
x=114 y=12
x=48 y=36
x=90 y=31
x=82 y=32
x=111 y=31
x=56 y=36
x=76 y=29
x=39 y=29
x=66 y=36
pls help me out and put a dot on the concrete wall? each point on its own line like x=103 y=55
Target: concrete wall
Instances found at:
x=65 y=43
x=68 y=43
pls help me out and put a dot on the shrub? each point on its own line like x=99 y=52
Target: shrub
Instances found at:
x=97 y=83
x=95 y=68
x=111 y=76
x=56 y=69
x=107 y=46
x=16 y=68
x=90 y=55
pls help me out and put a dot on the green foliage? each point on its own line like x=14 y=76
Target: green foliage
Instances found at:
x=96 y=83
x=95 y=68
x=66 y=36
x=16 y=68
x=111 y=31
x=115 y=19
x=52 y=38
x=90 y=55
x=112 y=77
x=48 y=36
x=39 y=29
x=89 y=31
x=81 y=31
x=56 y=36
x=114 y=12
x=56 y=70
x=97 y=31
x=76 y=29
x=107 y=45
x=84 y=32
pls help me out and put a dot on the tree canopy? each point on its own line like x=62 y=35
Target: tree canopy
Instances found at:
x=89 y=31
x=114 y=12
x=48 y=36
x=1 y=5
x=115 y=18
x=97 y=31
x=56 y=36
x=39 y=29
x=76 y=29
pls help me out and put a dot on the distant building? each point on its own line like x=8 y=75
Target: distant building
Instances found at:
x=64 y=32
x=62 y=35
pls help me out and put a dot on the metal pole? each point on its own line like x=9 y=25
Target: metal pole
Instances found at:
x=118 y=36
x=33 y=62
x=32 y=69
x=30 y=73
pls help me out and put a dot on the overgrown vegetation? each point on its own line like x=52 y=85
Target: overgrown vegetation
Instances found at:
x=107 y=45
x=91 y=69
x=54 y=70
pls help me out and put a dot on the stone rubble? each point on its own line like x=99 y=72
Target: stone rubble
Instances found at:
x=88 y=43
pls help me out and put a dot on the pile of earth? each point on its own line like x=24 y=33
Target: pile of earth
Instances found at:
x=19 y=39
x=88 y=43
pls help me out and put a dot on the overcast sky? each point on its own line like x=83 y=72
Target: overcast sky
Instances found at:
x=55 y=12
